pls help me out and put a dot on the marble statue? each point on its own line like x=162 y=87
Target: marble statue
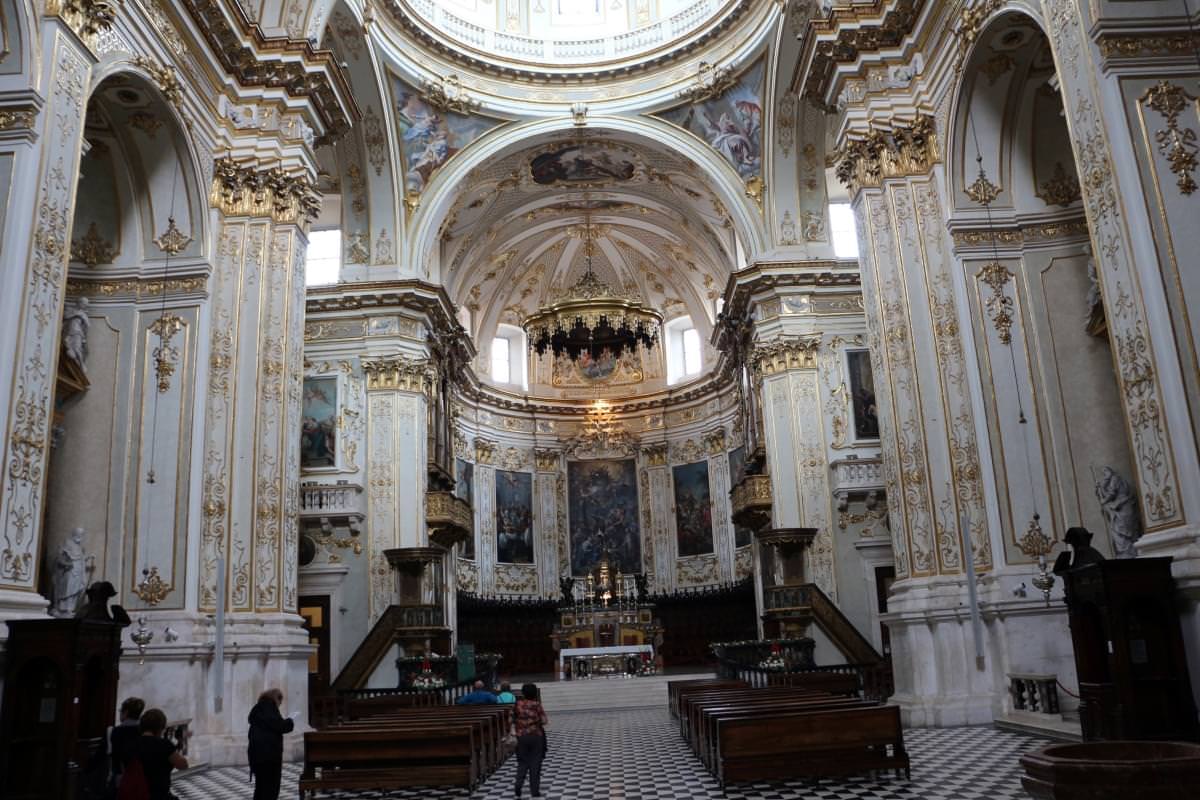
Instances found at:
x=75 y=332
x=1094 y=321
x=1119 y=503
x=71 y=568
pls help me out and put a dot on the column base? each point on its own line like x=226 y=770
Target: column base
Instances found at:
x=939 y=681
x=262 y=651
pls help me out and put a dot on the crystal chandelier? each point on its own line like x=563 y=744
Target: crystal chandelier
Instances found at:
x=593 y=318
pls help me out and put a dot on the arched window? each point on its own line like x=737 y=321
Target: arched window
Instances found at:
x=324 y=257
x=841 y=229
x=508 y=357
x=685 y=351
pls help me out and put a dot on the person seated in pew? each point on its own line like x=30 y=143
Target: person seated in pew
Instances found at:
x=477 y=697
x=506 y=697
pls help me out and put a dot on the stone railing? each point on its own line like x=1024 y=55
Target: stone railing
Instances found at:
x=331 y=500
x=857 y=475
x=1037 y=694
x=525 y=47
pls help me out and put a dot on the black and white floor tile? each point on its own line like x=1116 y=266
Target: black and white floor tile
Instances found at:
x=638 y=755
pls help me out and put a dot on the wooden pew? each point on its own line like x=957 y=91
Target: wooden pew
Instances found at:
x=491 y=722
x=844 y=683
x=707 y=732
x=389 y=758
x=809 y=743
x=690 y=698
x=674 y=687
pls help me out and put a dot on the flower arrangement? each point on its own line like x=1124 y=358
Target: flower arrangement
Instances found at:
x=427 y=680
x=773 y=662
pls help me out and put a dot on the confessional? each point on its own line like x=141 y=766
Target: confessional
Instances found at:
x=1133 y=677
x=60 y=696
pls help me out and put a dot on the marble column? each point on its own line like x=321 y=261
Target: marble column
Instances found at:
x=44 y=157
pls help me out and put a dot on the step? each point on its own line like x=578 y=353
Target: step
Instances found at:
x=606 y=693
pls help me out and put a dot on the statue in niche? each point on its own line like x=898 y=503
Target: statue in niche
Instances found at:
x=1119 y=503
x=643 y=586
x=566 y=585
x=75 y=332
x=1081 y=553
x=71 y=568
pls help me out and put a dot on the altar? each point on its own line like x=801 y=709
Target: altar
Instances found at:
x=604 y=662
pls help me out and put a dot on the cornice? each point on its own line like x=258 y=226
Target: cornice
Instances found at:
x=765 y=276
x=847 y=34
x=255 y=59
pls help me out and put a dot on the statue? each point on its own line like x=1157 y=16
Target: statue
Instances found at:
x=1081 y=554
x=1119 y=502
x=567 y=586
x=1094 y=323
x=96 y=607
x=71 y=568
x=75 y=332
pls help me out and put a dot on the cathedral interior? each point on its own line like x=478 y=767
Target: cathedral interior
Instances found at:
x=363 y=348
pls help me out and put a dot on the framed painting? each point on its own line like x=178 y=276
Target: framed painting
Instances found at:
x=693 y=509
x=602 y=506
x=514 y=517
x=318 y=424
x=464 y=487
x=862 y=394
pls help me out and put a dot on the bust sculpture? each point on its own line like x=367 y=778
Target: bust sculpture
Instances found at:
x=1081 y=554
x=1119 y=502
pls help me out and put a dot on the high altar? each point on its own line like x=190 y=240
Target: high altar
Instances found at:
x=605 y=626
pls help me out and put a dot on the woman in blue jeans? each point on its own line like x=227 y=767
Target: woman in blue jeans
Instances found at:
x=529 y=724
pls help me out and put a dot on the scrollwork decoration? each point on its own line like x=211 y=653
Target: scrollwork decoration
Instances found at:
x=999 y=305
x=1177 y=144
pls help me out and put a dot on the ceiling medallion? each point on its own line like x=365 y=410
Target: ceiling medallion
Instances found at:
x=592 y=318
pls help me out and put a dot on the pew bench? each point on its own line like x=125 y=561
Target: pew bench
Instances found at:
x=389 y=758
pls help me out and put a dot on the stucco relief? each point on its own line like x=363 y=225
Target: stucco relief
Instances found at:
x=29 y=415
x=381 y=501
x=1157 y=477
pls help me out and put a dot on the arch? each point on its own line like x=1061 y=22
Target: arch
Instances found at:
x=443 y=189
x=19 y=36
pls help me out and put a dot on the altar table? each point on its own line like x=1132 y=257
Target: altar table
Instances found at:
x=571 y=653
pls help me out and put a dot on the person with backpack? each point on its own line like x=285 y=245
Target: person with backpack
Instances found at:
x=147 y=773
x=121 y=739
x=267 y=727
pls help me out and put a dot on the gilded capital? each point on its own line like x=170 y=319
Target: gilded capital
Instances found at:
x=485 y=451
x=240 y=190
x=896 y=152
x=714 y=441
x=87 y=18
x=400 y=373
x=656 y=454
x=546 y=459
x=781 y=355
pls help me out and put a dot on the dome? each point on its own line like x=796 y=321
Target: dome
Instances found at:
x=567 y=33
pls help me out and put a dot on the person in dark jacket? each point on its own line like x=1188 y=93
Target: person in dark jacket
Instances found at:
x=267 y=727
x=158 y=756
x=122 y=738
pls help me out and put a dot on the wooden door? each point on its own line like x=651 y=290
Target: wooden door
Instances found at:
x=315 y=611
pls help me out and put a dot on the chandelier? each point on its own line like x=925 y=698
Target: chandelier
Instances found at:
x=593 y=318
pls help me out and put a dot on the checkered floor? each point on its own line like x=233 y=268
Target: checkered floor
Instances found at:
x=638 y=754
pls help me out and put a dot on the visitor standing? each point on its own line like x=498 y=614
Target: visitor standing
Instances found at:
x=147 y=772
x=529 y=724
x=267 y=727
x=122 y=738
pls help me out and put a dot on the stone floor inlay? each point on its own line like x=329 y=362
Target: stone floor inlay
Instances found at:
x=634 y=754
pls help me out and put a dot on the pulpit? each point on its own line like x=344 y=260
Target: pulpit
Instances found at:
x=787 y=609
x=1133 y=676
x=420 y=626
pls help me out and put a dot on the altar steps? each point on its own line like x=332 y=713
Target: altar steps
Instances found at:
x=608 y=693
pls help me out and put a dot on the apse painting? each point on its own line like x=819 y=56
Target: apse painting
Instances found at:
x=429 y=137
x=862 y=394
x=693 y=509
x=731 y=122
x=514 y=517
x=318 y=426
x=602 y=505
x=742 y=535
x=582 y=163
x=464 y=487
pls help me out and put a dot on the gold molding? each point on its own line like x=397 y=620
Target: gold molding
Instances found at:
x=979 y=237
x=714 y=441
x=546 y=459
x=172 y=241
x=785 y=354
x=1177 y=145
x=165 y=355
x=656 y=454
x=447 y=94
x=164 y=77
x=87 y=18
x=152 y=589
x=982 y=191
x=1137 y=45
x=999 y=305
x=865 y=32
x=485 y=450
x=240 y=190
x=92 y=249
x=709 y=83
x=1061 y=190
x=17 y=118
x=135 y=287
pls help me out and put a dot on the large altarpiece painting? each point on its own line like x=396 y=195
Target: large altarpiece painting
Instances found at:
x=514 y=517
x=693 y=509
x=602 y=506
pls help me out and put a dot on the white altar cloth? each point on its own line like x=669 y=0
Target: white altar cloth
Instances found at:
x=569 y=652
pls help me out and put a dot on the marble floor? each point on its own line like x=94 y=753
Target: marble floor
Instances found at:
x=631 y=754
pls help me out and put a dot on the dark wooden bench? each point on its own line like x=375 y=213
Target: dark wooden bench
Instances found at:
x=674 y=688
x=689 y=700
x=389 y=758
x=844 y=683
x=707 y=733
x=809 y=743
x=491 y=723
